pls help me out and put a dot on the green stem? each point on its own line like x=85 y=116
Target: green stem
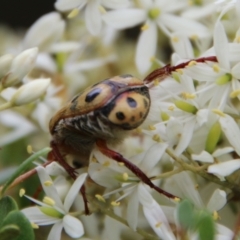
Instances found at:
x=22 y=168
x=5 y=106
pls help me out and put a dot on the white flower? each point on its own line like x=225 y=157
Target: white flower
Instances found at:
x=57 y=212
x=153 y=14
x=30 y=92
x=221 y=170
x=47 y=30
x=19 y=125
x=92 y=10
x=21 y=65
x=5 y=64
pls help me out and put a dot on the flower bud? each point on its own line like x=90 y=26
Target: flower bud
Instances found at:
x=30 y=92
x=21 y=65
x=5 y=63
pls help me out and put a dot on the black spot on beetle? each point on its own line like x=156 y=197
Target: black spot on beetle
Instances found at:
x=92 y=95
x=120 y=115
x=145 y=103
x=131 y=102
x=140 y=114
x=125 y=75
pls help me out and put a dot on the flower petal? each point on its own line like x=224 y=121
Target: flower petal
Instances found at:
x=224 y=169
x=236 y=71
x=55 y=233
x=217 y=200
x=231 y=131
x=66 y=5
x=93 y=18
x=203 y=157
x=124 y=18
x=132 y=209
x=74 y=191
x=221 y=46
x=50 y=191
x=34 y=214
x=155 y=216
x=187 y=26
x=146 y=47
x=73 y=226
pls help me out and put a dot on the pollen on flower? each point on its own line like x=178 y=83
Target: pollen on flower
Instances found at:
x=93 y=159
x=216 y=68
x=29 y=149
x=34 y=225
x=158 y=224
x=125 y=176
x=156 y=138
x=235 y=93
x=194 y=37
x=100 y=198
x=237 y=39
x=151 y=127
x=102 y=9
x=106 y=164
x=115 y=204
x=73 y=13
x=218 y=112
x=49 y=201
x=138 y=130
x=171 y=108
x=144 y=27
x=155 y=82
x=192 y=63
x=22 y=192
x=176 y=199
x=180 y=71
x=48 y=183
x=121 y=164
x=216 y=215
x=175 y=39
x=188 y=95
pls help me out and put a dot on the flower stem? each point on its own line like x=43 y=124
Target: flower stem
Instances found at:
x=5 y=106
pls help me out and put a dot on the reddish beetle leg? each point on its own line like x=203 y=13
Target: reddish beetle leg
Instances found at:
x=71 y=171
x=137 y=171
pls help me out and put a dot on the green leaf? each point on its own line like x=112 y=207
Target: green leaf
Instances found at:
x=24 y=166
x=206 y=228
x=19 y=219
x=7 y=204
x=9 y=232
x=185 y=214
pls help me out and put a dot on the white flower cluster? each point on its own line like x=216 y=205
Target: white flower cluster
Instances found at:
x=190 y=142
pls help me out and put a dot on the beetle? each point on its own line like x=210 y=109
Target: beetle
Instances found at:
x=105 y=113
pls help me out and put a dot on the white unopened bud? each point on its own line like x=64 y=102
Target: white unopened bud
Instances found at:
x=30 y=92
x=45 y=31
x=5 y=63
x=21 y=65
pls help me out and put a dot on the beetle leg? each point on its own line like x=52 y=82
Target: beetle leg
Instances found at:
x=71 y=171
x=102 y=146
x=58 y=157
